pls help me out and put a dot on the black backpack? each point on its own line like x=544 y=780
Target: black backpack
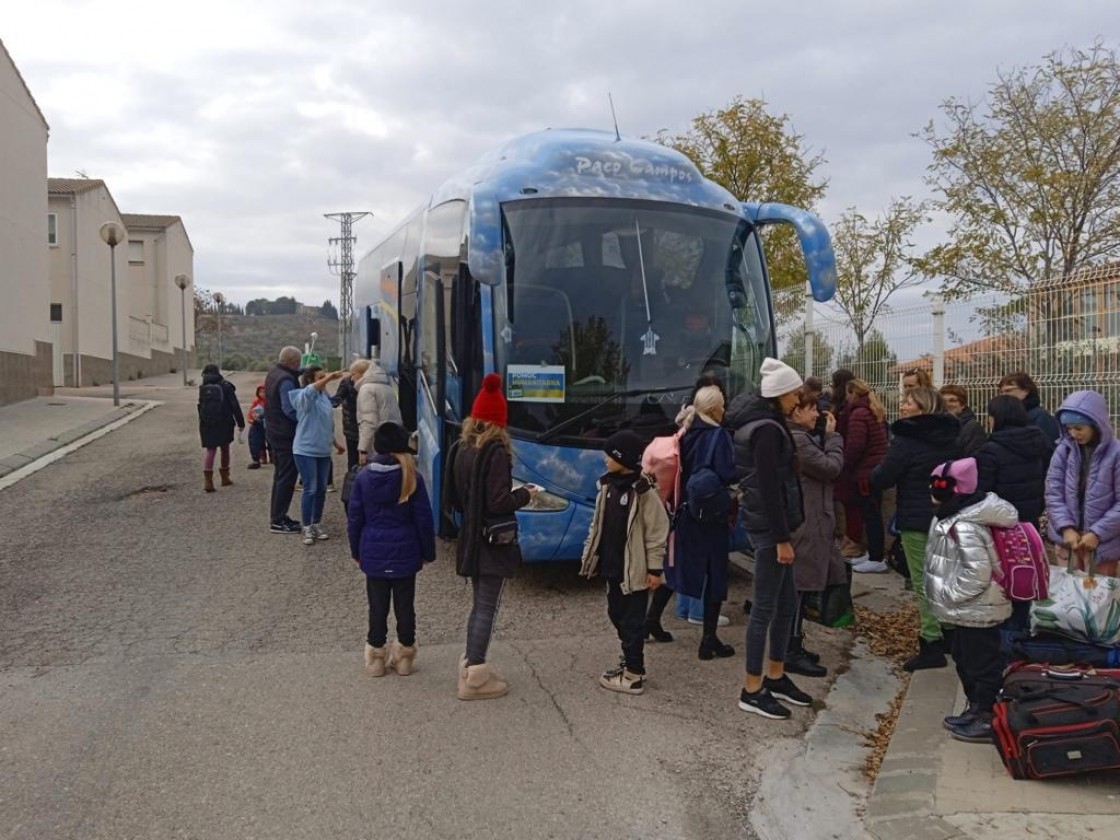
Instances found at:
x=212 y=403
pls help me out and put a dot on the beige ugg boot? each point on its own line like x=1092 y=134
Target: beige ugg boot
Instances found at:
x=375 y=660
x=401 y=658
x=480 y=683
x=226 y=480
x=208 y=481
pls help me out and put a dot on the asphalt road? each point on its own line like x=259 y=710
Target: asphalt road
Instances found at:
x=168 y=668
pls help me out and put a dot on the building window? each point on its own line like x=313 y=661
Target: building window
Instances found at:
x=56 y=313
x=52 y=229
x=136 y=252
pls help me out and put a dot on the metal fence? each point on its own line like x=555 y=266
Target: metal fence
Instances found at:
x=1065 y=333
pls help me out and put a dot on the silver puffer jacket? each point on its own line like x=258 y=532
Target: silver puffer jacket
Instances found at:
x=960 y=555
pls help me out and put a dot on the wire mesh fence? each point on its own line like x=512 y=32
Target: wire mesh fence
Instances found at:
x=1065 y=333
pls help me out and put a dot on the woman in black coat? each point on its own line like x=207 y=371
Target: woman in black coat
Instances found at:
x=925 y=436
x=766 y=458
x=488 y=553
x=218 y=413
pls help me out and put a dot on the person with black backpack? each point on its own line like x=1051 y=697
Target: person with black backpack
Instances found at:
x=218 y=413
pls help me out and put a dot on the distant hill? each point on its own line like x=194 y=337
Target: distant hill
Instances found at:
x=251 y=342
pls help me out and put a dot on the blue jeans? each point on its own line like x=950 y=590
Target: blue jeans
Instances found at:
x=313 y=473
x=689 y=607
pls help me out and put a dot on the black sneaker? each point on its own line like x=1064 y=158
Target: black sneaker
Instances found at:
x=784 y=689
x=967 y=716
x=762 y=702
x=284 y=528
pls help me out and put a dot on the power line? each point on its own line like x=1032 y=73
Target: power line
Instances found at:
x=343 y=266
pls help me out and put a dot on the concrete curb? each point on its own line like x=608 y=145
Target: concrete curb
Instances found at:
x=902 y=802
x=24 y=463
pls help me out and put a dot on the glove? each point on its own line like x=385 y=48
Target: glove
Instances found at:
x=240 y=435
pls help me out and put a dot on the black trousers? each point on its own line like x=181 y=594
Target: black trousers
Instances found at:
x=979 y=663
x=351 y=453
x=628 y=615
x=870 y=508
x=402 y=592
x=283 y=483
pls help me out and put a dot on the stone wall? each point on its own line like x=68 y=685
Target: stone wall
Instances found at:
x=23 y=376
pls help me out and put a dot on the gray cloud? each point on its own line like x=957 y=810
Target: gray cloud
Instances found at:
x=251 y=120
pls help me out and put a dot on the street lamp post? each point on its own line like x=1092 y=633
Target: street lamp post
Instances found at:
x=219 y=299
x=113 y=233
x=182 y=281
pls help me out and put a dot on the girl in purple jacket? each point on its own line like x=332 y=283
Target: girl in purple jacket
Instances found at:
x=1083 y=484
x=391 y=537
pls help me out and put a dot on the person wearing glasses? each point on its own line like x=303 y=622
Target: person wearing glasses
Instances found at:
x=1022 y=387
x=972 y=437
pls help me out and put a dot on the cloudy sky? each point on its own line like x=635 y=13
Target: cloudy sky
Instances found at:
x=253 y=119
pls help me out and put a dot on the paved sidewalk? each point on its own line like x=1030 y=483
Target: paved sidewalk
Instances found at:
x=35 y=428
x=932 y=786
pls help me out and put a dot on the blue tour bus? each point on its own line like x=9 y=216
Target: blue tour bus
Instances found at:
x=601 y=277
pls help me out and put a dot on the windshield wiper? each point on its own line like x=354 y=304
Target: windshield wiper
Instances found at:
x=553 y=431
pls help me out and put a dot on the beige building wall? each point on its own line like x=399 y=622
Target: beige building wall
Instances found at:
x=25 y=331
x=159 y=251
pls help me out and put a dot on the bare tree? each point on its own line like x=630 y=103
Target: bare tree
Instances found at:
x=874 y=262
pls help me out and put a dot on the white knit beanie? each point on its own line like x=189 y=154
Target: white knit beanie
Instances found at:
x=778 y=378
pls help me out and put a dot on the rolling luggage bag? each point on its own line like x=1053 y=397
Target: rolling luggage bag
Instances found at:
x=1048 y=649
x=1053 y=722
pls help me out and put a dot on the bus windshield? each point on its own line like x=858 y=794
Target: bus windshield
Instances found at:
x=613 y=308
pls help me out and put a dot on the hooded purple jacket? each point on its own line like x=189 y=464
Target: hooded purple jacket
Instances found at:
x=1102 y=490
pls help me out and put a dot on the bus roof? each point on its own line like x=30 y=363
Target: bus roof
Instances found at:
x=589 y=163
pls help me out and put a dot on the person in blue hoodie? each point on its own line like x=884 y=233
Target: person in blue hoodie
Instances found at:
x=311 y=447
x=392 y=536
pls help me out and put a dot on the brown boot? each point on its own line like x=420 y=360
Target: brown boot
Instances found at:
x=226 y=480
x=375 y=660
x=208 y=481
x=401 y=658
x=480 y=683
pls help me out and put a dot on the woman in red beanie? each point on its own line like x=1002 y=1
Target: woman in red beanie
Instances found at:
x=482 y=488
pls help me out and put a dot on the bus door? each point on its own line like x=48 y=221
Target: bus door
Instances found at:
x=431 y=376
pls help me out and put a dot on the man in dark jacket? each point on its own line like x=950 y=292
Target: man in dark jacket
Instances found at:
x=280 y=427
x=347 y=397
x=1022 y=387
x=972 y=436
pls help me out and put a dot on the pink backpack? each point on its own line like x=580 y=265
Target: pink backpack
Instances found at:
x=662 y=460
x=1023 y=571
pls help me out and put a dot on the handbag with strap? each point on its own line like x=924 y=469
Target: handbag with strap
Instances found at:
x=1082 y=605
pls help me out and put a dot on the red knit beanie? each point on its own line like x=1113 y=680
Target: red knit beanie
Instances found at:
x=490 y=404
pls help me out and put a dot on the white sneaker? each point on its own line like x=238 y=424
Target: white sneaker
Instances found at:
x=871 y=567
x=855 y=561
x=309 y=535
x=723 y=621
x=319 y=532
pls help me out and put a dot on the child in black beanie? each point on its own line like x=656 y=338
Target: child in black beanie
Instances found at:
x=626 y=546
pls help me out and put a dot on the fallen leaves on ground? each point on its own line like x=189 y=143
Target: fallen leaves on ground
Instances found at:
x=893 y=636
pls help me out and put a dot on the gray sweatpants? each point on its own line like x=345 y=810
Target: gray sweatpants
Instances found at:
x=484 y=612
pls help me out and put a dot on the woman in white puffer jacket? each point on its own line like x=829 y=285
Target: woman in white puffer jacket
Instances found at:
x=962 y=589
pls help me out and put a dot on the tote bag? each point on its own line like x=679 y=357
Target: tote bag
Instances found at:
x=1082 y=605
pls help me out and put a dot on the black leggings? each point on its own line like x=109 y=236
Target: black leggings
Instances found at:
x=484 y=612
x=772 y=614
x=402 y=591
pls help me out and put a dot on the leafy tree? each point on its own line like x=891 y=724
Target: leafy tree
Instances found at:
x=284 y=306
x=823 y=353
x=257 y=306
x=871 y=361
x=757 y=156
x=328 y=311
x=874 y=261
x=1031 y=177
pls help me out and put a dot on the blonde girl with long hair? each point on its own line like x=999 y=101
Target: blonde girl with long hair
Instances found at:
x=392 y=536
x=481 y=487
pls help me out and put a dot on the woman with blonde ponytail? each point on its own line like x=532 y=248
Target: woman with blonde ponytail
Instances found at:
x=392 y=535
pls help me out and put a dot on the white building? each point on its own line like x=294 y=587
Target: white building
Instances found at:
x=25 y=317
x=149 y=335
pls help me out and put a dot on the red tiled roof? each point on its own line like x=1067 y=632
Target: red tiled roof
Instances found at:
x=72 y=186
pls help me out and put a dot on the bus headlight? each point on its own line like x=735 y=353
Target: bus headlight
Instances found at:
x=543 y=500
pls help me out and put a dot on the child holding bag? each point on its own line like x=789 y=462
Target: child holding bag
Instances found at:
x=391 y=537
x=1083 y=484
